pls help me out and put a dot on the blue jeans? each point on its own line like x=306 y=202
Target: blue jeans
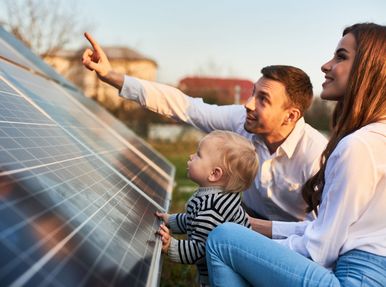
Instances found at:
x=238 y=256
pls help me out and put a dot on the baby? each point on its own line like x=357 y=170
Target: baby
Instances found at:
x=224 y=165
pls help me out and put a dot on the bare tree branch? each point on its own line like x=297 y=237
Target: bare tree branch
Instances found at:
x=45 y=26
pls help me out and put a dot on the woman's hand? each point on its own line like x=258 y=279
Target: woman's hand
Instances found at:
x=262 y=226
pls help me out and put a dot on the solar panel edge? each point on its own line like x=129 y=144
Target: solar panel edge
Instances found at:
x=155 y=267
x=42 y=67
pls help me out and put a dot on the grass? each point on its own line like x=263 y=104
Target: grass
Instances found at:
x=174 y=274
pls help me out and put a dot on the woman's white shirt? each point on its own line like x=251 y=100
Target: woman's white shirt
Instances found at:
x=352 y=210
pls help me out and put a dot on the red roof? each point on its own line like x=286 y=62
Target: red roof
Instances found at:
x=225 y=88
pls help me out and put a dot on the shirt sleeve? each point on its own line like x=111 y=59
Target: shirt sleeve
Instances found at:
x=172 y=103
x=191 y=250
x=282 y=229
x=132 y=89
x=177 y=222
x=350 y=185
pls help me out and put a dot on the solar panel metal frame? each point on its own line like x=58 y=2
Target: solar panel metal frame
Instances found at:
x=24 y=60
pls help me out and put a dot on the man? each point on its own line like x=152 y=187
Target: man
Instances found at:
x=289 y=149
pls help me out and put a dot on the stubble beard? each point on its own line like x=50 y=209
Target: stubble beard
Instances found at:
x=250 y=129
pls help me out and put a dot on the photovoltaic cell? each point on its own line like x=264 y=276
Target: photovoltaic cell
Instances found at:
x=124 y=132
x=71 y=116
x=52 y=222
x=78 y=190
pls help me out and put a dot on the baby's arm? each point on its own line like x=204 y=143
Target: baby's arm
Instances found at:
x=191 y=250
x=181 y=251
x=163 y=216
x=177 y=222
x=186 y=251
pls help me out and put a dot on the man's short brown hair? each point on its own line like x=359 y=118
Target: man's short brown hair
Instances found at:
x=297 y=84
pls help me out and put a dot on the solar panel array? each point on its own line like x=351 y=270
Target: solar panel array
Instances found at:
x=78 y=190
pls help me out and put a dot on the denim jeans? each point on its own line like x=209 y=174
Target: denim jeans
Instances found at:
x=238 y=256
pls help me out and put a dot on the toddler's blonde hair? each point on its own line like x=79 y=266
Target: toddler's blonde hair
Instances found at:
x=238 y=159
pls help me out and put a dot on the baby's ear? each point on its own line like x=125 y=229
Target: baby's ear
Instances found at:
x=216 y=174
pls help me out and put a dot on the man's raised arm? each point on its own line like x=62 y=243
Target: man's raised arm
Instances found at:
x=163 y=99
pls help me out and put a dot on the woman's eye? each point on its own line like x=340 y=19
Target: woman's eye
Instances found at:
x=341 y=57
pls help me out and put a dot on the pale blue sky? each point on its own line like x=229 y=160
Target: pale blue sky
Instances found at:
x=228 y=38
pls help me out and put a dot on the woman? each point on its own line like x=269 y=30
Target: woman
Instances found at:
x=346 y=244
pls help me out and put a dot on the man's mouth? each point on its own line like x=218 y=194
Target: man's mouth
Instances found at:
x=251 y=118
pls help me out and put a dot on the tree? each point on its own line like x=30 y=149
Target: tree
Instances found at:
x=319 y=114
x=45 y=26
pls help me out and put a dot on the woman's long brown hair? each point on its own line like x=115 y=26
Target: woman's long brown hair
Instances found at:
x=364 y=101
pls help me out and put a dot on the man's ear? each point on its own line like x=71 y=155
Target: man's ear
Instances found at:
x=293 y=114
x=216 y=174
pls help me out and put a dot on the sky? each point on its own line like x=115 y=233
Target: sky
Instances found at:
x=226 y=38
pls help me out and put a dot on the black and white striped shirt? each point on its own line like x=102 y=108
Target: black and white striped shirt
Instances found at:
x=207 y=208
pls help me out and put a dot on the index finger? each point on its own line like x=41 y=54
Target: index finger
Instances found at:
x=93 y=43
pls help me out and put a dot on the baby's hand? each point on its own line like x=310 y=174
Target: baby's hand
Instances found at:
x=163 y=216
x=165 y=237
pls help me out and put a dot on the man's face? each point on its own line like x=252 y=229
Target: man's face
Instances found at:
x=267 y=108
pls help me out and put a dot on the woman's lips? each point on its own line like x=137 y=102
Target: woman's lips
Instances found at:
x=327 y=81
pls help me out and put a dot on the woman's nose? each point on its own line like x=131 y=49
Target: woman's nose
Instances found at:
x=326 y=67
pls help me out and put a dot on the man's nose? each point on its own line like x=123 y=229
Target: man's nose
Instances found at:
x=250 y=104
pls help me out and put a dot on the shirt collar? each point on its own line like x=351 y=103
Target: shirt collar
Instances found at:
x=289 y=145
x=201 y=191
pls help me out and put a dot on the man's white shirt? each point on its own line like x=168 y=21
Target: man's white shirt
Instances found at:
x=276 y=191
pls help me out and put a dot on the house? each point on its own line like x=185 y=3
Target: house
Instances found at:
x=123 y=59
x=217 y=90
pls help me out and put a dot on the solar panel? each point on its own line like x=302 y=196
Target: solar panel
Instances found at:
x=14 y=51
x=78 y=190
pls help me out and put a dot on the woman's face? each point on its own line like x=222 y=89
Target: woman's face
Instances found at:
x=337 y=70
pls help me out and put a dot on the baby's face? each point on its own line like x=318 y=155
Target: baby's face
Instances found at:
x=202 y=163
